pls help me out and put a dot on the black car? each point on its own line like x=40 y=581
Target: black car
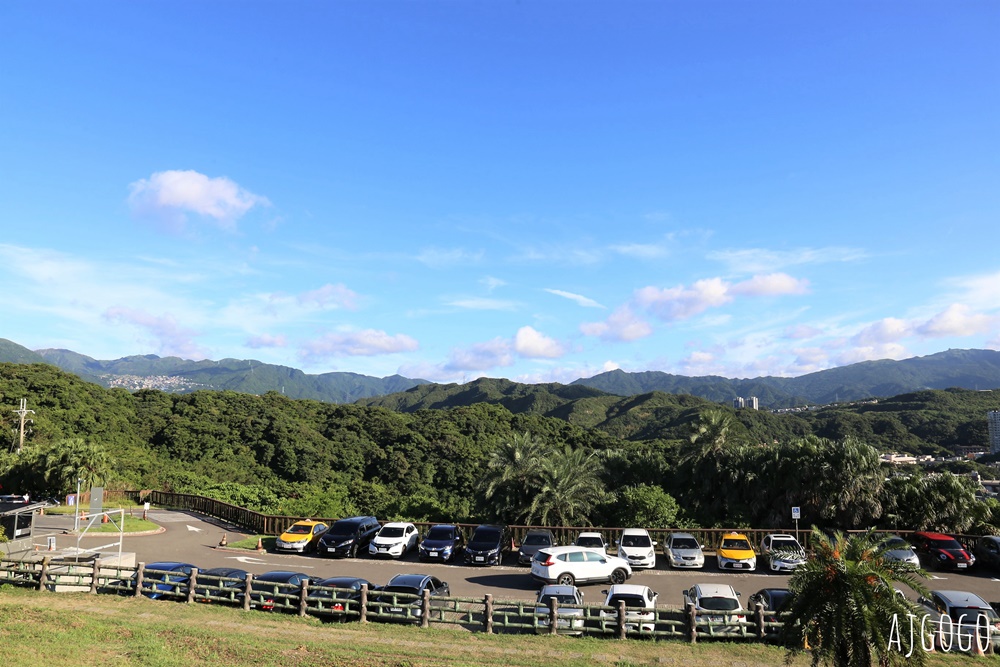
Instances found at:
x=166 y=579
x=276 y=590
x=488 y=545
x=442 y=542
x=534 y=541
x=771 y=599
x=402 y=597
x=941 y=552
x=348 y=537
x=988 y=551
x=228 y=584
x=343 y=601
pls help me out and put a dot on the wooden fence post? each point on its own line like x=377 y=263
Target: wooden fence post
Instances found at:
x=304 y=597
x=192 y=582
x=139 y=575
x=363 y=604
x=425 y=609
x=95 y=576
x=758 y=615
x=43 y=576
x=621 y=619
x=692 y=619
x=247 y=589
x=488 y=614
x=553 y=615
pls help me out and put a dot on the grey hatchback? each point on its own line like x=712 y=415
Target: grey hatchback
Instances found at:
x=534 y=541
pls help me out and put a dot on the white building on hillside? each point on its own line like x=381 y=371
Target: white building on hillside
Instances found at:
x=993 y=421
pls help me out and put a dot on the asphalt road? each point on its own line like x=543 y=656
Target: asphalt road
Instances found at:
x=194 y=539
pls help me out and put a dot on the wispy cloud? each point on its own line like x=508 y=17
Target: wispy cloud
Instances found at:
x=757 y=260
x=439 y=258
x=171 y=338
x=480 y=356
x=266 y=341
x=365 y=343
x=482 y=303
x=641 y=250
x=622 y=325
x=577 y=298
x=330 y=296
x=171 y=195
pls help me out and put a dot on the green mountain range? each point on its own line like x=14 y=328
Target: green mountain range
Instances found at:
x=968 y=369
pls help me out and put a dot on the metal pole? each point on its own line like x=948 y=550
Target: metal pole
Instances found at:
x=76 y=514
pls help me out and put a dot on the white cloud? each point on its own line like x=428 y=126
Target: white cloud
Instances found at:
x=492 y=283
x=641 y=250
x=871 y=353
x=439 y=258
x=580 y=300
x=172 y=340
x=678 y=303
x=171 y=195
x=771 y=284
x=535 y=345
x=265 y=341
x=481 y=356
x=756 y=260
x=330 y=296
x=981 y=291
x=365 y=343
x=888 y=330
x=621 y=325
x=802 y=332
x=957 y=320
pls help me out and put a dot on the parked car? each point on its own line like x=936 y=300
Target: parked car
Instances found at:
x=898 y=550
x=276 y=589
x=637 y=548
x=442 y=542
x=987 y=551
x=722 y=602
x=166 y=579
x=301 y=537
x=942 y=552
x=736 y=553
x=640 y=606
x=570 y=612
x=394 y=540
x=965 y=611
x=487 y=545
x=771 y=599
x=534 y=541
x=782 y=552
x=572 y=565
x=402 y=597
x=346 y=597
x=592 y=541
x=228 y=584
x=348 y=537
x=683 y=550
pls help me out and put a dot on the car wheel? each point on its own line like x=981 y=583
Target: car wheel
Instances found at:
x=618 y=576
x=353 y=553
x=567 y=579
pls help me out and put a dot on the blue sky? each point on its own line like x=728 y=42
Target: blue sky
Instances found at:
x=533 y=190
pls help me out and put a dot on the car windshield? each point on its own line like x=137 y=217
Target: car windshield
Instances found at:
x=629 y=600
x=946 y=544
x=735 y=543
x=408 y=590
x=391 y=531
x=537 y=540
x=561 y=599
x=636 y=541
x=299 y=529
x=589 y=542
x=896 y=544
x=440 y=533
x=719 y=604
x=972 y=615
x=784 y=545
x=486 y=538
x=343 y=530
x=685 y=543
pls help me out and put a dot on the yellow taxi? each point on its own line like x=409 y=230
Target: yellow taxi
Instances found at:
x=301 y=537
x=736 y=553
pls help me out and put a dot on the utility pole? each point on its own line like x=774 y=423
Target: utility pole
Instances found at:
x=22 y=413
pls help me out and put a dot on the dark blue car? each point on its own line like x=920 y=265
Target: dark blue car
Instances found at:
x=442 y=543
x=166 y=579
x=276 y=590
x=227 y=584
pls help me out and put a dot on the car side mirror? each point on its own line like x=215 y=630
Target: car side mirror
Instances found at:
x=655 y=543
x=604 y=592
x=738 y=594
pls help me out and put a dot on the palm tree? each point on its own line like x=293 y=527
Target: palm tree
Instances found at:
x=845 y=601
x=570 y=488
x=74 y=458
x=513 y=476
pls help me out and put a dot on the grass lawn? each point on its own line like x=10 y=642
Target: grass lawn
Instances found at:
x=56 y=629
x=251 y=542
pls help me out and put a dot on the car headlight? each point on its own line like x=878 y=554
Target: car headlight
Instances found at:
x=651 y=554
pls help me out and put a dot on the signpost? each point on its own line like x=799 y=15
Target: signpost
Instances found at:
x=796 y=515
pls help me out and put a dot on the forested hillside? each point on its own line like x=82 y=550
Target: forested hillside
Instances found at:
x=657 y=455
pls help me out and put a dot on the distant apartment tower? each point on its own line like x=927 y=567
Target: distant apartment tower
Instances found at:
x=738 y=403
x=749 y=402
x=993 y=421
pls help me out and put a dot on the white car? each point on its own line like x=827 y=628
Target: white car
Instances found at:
x=683 y=550
x=592 y=541
x=636 y=547
x=725 y=612
x=782 y=552
x=394 y=540
x=640 y=606
x=569 y=612
x=571 y=565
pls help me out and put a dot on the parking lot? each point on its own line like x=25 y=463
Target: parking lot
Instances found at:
x=194 y=539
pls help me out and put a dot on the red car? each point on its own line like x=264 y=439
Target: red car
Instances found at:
x=941 y=552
